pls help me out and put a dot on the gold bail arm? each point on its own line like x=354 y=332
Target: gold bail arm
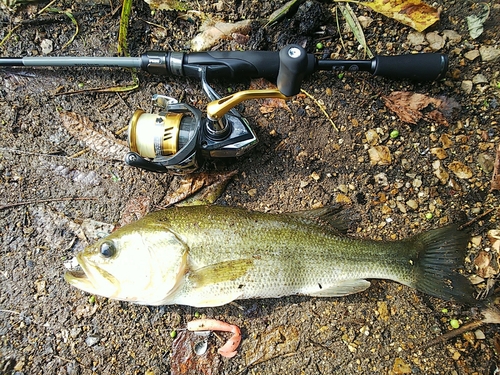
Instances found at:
x=218 y=108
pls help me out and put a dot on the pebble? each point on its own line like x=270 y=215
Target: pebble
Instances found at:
x=460 y=170
x=479 y=78
x=413 y=204
x=486 y=162
x=452 y=36
x=466 y=86
x=92 y=340
x=372 y=137
x=439 y=152
x=416 y=39
x=47 y=46
x=479 y=334
x=489 y=53
x=472 y=55
x=381 y=179
x=436 y=41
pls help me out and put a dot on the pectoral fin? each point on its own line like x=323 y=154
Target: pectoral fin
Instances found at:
x=217 y=273
x=342 y=288
x=220 y=272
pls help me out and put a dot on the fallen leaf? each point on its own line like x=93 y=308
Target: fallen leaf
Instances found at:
x=188 y=186
x=269 y=105
x=287 y=10
x=101 y=141
x=212 y=33
x=483 y=265
x=184 y=359
x=355 y=26
x=495 y=179
x=273 y=343
x=409 y=107
x=494 y=237
x=413 y=13
x=168 y=5
x=475 y=22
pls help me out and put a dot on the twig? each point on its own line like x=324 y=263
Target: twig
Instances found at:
x=38 y=201
x=491 y=316
x=321 y=107
x=469 y=223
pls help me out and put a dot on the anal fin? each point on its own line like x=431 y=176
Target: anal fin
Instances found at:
x=342 y=288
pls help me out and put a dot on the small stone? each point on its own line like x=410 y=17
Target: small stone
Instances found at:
x=92 y=340
x=466 y=86
x=486 y=162
x=343 y=188
x=439 y=152
x=479 y=78
x=47 y=46
x=365 y=21
x=460 y=170
x=372 y=137
x=341 y=198
x=252 y=192
x=315 y=176
x=440 y=172
x=381 y=179
x=479 y=335
x=416 y=183
x=413 y=204
x=436 y=41
x=452 y=36
x=445 y=141
x=416 y=38
x=472 y=55
x=489 y=53
x=380 y=155
x=401 y=367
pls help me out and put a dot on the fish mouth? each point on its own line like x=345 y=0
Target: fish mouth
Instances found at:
x=92 y=279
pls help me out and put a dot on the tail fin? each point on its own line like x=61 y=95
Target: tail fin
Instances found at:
x=440 y=253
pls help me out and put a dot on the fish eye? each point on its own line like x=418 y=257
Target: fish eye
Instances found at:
x=108 y=249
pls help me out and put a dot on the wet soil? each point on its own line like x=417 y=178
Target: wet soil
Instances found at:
x=301 y=161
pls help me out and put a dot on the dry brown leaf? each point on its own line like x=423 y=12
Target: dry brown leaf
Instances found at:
x=185 y=360
x=187 y=186
x=409 y=106
x=270 y=104
x=413 y=13
x=212 y=33
x=483 y=265
x=101 y=141
x=495 y=179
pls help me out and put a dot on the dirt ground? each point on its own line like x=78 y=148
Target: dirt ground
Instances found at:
x=301 y=161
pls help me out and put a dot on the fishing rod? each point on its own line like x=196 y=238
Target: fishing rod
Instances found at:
x=180 y=135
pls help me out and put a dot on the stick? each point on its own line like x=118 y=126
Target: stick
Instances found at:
x=36 y=201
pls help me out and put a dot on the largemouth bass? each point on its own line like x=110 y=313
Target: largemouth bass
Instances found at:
x=211 y=255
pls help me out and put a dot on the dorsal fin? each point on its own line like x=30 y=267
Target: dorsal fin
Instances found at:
x=336 y=216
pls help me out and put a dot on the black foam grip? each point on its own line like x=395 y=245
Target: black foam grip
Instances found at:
x=418 y=67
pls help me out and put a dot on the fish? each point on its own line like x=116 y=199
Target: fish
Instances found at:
x=205 y=256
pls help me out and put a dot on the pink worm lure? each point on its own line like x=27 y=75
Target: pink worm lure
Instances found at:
x=228 y=350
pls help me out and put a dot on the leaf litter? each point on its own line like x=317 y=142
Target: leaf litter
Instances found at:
x=101 y=140
x=411 y=107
